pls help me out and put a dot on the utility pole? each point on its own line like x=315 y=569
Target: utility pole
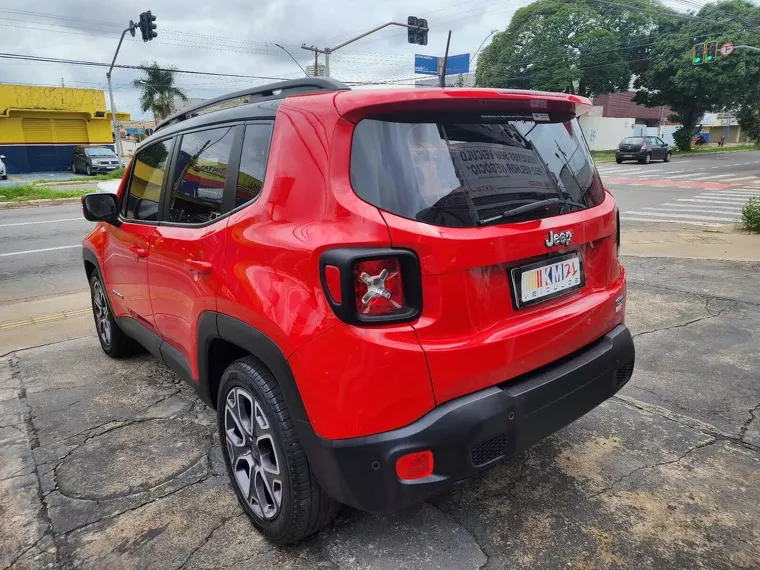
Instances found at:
x=420 y=27
x=147 y=28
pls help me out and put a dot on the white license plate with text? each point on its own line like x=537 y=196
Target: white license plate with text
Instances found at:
x=553 y=278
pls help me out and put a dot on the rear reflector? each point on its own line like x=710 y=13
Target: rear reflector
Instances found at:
x=379 y=287
x=415 y=465
x=332 y=280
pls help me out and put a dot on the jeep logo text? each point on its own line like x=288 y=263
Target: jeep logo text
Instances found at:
x=562 y=238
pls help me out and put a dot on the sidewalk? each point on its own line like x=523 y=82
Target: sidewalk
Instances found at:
x=723 y=244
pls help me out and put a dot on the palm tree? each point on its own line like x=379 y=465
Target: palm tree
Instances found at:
x=158 y=90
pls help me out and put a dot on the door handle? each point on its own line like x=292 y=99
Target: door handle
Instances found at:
x=203 y=267
x=139 y=251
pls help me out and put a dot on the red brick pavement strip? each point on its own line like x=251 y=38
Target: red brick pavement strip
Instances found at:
x=670 y=183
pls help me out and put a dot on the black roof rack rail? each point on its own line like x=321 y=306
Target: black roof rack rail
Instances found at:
x=278 y=90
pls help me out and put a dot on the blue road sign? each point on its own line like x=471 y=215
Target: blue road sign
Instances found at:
x=425 y=64
x=431 y=65
x=458 y=64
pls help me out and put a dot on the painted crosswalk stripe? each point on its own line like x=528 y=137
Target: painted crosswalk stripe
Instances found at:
x=670 y=221
x=690 y=175
x=694 y=207
x=715 y=176
x=727 y=219
x=745 y=178
x=728 y=195
x=711 y=201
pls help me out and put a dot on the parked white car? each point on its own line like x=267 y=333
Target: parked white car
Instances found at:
x=3 y=172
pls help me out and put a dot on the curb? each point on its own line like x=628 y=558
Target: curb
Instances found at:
x=39 y=203
x=69 y=182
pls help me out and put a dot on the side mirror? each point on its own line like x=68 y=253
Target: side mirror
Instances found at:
x=101 y=208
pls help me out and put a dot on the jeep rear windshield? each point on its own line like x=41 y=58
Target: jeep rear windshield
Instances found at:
x=467 y=170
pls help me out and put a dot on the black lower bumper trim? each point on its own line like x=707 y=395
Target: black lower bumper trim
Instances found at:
x=474 y=432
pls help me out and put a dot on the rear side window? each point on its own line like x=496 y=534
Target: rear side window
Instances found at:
x=253 y=163
x=145 y=184
x=198 y=182
x=467 y=171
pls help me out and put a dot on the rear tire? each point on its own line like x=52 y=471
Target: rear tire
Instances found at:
x=646 y=160
x=112 y=339
x=667 y=157
x=260 y=446
x=73 y=168
x=87 y=170
x=619 y=160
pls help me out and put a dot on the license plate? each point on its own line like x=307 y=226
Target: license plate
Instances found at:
x=627 y=156
x=548 y=279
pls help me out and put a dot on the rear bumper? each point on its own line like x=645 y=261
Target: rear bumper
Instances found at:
x=635 y=155
x=475 y=432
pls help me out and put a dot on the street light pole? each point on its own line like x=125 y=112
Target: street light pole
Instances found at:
x=327 y=51
x=294 y=59
x=114 y=120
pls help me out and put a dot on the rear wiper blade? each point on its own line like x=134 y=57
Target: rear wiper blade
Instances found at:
x=524 y=209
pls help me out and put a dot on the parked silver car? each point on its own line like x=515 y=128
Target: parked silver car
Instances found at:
x=3 y=171
x=93 y=159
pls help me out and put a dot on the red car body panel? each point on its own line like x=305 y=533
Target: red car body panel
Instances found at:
x=353 y=380
x=184 y=274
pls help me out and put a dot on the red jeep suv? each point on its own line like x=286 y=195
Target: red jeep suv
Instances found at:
x=381 y=293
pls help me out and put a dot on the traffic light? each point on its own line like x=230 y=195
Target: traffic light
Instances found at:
x=415 y=35
x=147 y=27
x=712 y=52
x=699 y=54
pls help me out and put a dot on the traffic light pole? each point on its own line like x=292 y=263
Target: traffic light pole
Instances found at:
x=328 y=51
x=114 y=120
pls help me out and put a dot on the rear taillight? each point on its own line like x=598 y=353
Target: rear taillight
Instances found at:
x=644 y=146
x=378 y=286
x=372 y=286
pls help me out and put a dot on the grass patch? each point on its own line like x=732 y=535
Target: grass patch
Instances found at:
x=114 y=174
x=718 y=149
x=751 y=215
x=31 y=192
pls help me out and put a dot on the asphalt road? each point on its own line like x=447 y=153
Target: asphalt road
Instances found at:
x=40 y=252
x=31 y=266
x=116 y=464
x=704 y=190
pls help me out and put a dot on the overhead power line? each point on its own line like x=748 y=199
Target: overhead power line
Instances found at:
x=24 y=57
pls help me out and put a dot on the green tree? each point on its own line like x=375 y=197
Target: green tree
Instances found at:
x=158 y=90
x=749 y=117
x=582 y=46
x=692 y=90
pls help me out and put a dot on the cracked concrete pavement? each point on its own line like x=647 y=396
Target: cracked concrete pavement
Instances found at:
x=115 y=464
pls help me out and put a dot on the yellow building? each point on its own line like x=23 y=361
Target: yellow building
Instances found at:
x=40 y=126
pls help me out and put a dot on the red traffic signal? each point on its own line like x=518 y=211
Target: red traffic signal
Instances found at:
x=419 y=33
x=147 y=26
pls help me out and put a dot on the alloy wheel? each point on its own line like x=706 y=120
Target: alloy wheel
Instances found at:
x=252 y=452
x=102 y=316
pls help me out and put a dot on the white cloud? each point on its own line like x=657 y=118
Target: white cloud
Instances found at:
x=232 y=37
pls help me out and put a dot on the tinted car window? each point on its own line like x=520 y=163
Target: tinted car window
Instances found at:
x=633 y=140
x=198 y=181
x=470 y=173
x=145 y=184
x=253 y=163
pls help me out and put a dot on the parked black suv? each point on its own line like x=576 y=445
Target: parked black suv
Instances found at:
x=643 y=149
x=93 y=159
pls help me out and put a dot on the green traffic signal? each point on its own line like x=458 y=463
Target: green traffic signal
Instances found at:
x=699 y=54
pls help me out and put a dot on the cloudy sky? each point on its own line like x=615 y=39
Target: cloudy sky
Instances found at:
x=232 y=36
